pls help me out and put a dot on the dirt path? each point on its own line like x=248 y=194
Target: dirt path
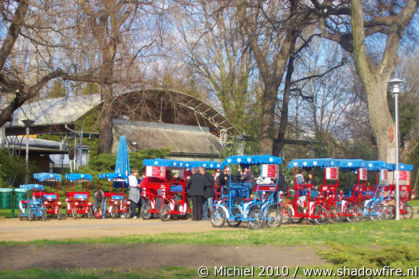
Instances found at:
x=15 y=230
x=152 y=256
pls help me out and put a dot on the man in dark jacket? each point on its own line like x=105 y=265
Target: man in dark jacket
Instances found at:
x=224 y=180
x=209 y=194
x=196 y=192
x=282 y=186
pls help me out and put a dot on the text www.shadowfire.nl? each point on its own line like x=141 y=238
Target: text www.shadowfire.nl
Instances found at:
x=286 y=272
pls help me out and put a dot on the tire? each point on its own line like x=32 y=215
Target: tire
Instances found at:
x=74 y=213
x=274 y=218
x=259 y=219
x=59 y=217
x=336 y=215
x=128 y=213
x=164 y=213
x=286 y=215
x=297 y=220
x=218 y=217
x=30 y=215
x=392 y=209
x=408 y=212
x=90 y=213
x=145 y=211
x=321 y=215
x=44 y=215
x=234 y=223
x=353 y=214
x=21 y=216
x=114 y=212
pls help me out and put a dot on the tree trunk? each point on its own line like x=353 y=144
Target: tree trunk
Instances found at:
x=105 y=128
x=381 y=120
x=279 y=143
x=266 y=135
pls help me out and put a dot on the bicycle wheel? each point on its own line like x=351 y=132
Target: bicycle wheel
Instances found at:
x=257 y=218
x=218 y=217
x=233 y=222
x=408 y=212
x=286 y=215
x=336 y=215
x=320 y=215
x=145 y=211
x=354 y=214
x=274 y=218
x=164 y=213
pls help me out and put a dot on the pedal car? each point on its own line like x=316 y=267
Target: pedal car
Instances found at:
x=163 y=192
x=32 y=207
x=239 y=206
x=78 y=202
x=118 y=204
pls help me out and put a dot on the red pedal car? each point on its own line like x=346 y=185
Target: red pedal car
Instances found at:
x=117 y=203
x=78 y=202
x=162 y=192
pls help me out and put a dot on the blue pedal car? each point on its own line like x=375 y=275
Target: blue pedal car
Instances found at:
x=240 y=206
x=32 y=208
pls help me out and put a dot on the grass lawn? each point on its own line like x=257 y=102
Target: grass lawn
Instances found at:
x=370 y=244
x=414 y=203
x=404 y=232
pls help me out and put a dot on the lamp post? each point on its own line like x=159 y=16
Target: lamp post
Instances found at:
x=395 y=90
x=27 y=123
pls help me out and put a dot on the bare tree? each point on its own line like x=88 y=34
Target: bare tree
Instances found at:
x=26 y=64
x=351 y=24
x=272 y=29
x=216 y=50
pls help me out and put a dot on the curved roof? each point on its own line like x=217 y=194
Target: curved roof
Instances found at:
x=152 y=105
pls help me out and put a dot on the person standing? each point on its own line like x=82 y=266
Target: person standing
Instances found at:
x=134 y=193
x=196 y=192
x=99 y=203
x=209 y=194
x=282 y=186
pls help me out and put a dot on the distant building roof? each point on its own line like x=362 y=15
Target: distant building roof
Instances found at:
x=150 y=105
x=183 y=140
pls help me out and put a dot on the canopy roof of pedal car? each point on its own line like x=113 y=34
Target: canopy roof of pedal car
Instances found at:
x=377 y=165
x=404 y=167
x=78 y=176
x=113 y=176
x=352 y=163
x=315 y=162
x=46 y=176
x=164 y=163
x=252 y=160
x=32 y=187
x=206 y=164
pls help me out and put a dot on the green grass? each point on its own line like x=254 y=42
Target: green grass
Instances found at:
x=7 y=213
x=148 y=273
x=414 y=202
x=404 y=232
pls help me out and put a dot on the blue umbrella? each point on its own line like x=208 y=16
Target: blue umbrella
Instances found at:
x=122 y=158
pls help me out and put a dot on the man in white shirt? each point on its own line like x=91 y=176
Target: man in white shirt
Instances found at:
x=134 y=193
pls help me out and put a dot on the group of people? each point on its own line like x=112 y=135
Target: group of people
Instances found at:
x=199 y=186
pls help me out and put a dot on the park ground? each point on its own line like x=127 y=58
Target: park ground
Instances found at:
x=134 y=248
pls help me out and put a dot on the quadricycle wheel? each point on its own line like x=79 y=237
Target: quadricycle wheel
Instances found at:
x=257 y=218
x=274 y=217
x=164 y=213
x=234 y=223
x=218 y=217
